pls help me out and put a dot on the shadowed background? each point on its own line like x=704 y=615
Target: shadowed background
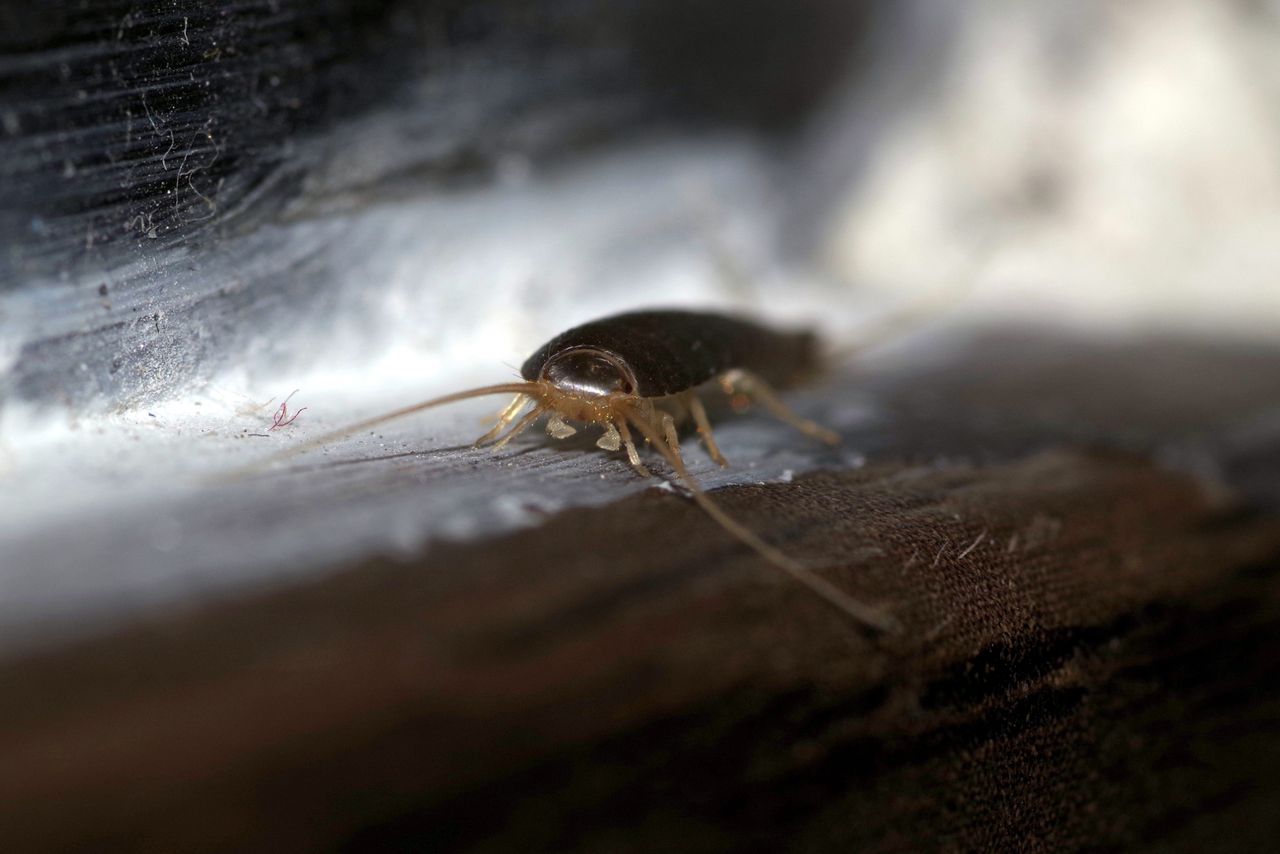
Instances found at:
x=1063 y=482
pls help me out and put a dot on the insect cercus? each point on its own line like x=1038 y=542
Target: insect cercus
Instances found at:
x=643 y=370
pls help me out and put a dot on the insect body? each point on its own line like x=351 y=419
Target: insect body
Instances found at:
x=637 y=367
x=643 y=370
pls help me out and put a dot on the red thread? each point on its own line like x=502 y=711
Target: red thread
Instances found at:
x=282 y=417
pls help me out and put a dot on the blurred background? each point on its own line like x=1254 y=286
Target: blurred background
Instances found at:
x=230 y=226
x=205 y=206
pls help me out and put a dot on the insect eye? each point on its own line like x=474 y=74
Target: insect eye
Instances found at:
x=588 y=372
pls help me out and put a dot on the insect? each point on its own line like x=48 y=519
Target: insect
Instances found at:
x=644 y=370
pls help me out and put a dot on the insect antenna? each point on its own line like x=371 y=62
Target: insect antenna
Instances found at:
x=859 y=611
x=524 y=388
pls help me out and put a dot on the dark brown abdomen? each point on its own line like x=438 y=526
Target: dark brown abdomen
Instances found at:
x=674 y=351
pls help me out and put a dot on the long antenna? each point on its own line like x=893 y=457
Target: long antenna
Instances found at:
x=861 y=612
x=342 y=433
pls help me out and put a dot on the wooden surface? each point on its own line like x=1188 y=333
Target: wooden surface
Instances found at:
x=1089 y=659
x=1082 y=660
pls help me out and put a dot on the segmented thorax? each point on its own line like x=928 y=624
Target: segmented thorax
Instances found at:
x=582 y=382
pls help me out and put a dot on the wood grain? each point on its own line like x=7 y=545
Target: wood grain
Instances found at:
x=1089 y=655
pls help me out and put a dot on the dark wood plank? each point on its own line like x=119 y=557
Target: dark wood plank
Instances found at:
x=1089 y=656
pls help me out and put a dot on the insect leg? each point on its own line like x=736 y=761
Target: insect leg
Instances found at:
x=508 y=415
x=520 y=427
x=859 y=611
x=633 y=456
x=648 y=412
x=699 y=413
x=758 y=390
x=670 y=434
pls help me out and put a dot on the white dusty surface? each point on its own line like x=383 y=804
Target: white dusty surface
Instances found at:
x=147 y=517
x=102 y=516
x=1115 y=166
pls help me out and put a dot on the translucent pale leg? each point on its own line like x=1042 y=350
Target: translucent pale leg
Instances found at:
x=647 y=411
x=508 y=415
x=700 y=421
x=669 y=433
x=758 y=390
x=520 y=427
x=633 y=456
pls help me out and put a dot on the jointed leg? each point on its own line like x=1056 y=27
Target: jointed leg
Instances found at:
x=520 y=427
x=508 y=415
x=700 y=421
x=758 y=390
x=633 y=456
x=672 y=441
x=669 y=433
x=816 y=583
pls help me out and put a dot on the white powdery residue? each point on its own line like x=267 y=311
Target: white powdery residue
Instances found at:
x=24 y=427
x=405 y=534
x=463 y=525
x=516 y=510
x=496 y=274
